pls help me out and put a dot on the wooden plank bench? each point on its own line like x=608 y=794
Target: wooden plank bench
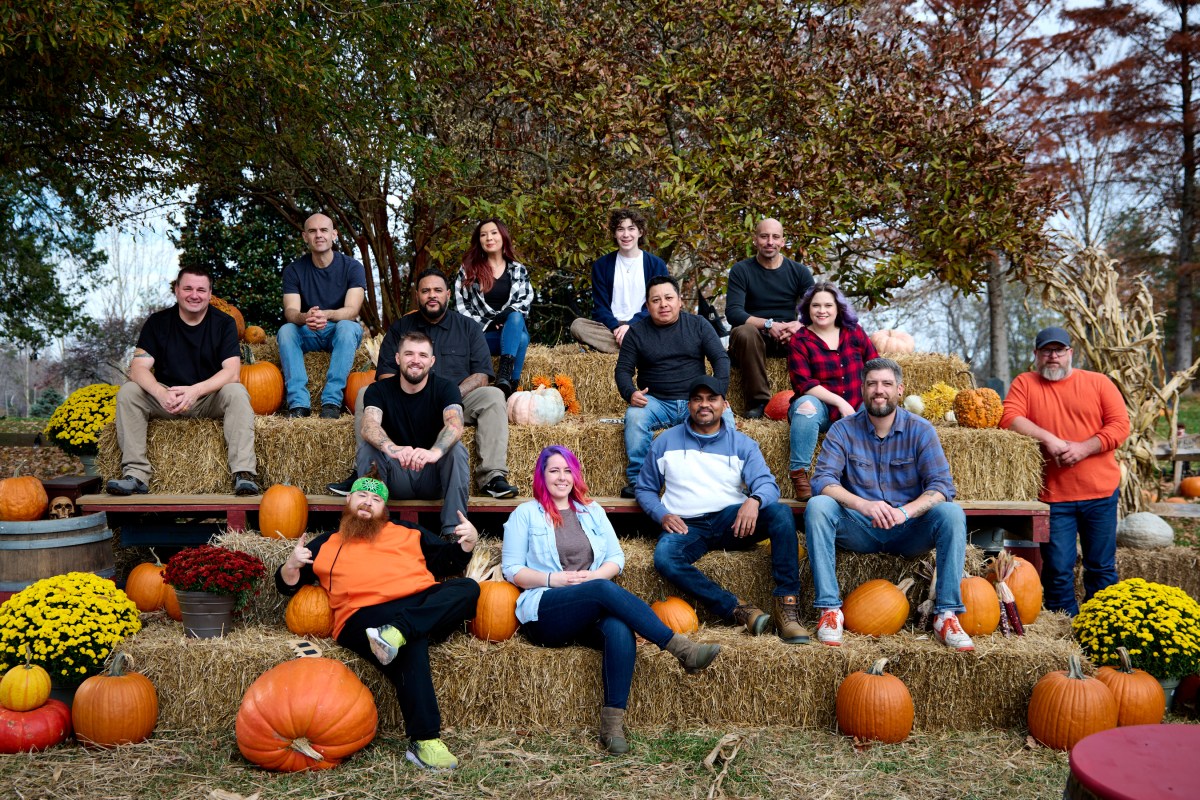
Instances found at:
x=1187 y=449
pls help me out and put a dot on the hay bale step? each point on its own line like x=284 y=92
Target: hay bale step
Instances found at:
x=316 y=365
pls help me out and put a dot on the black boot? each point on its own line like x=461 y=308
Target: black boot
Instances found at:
x=504 y=375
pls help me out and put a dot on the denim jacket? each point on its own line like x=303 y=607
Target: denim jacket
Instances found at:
x=529 y=541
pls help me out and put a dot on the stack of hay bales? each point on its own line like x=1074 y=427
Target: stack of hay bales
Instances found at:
x=316 y=364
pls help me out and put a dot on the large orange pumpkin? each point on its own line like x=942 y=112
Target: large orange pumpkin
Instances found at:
x=875 y=705
x=264 y=383
x=228 y=308
x=25 y=686
x=496 y=612
x=1026 y=586
x=677 y=614
x=22 y=499
x=115 y=707
x=309 y=713
x=308 y=612
x=355 y=382
x=983 y=607
x=878 y=607
x=283 y=512
x=1139 y=695
x=978 y=408
x=145 y=585
x=255 y=335
x=1068 y=705
x=777 y=406
x=1189 y=487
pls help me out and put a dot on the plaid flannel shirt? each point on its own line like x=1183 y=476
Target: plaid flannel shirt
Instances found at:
x=811 y=363
x=471 y=302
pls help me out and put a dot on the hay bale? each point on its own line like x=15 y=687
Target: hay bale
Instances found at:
x=592 y=373
x=268 y=605
x=316 y=364
x=991 y=464
x=1172 y=566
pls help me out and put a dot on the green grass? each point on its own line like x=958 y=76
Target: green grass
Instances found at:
x=21 y=425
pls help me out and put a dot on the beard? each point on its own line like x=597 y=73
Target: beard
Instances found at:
x=356 y=529
x=875 y=411
x=410 y=380
x=1052 y=373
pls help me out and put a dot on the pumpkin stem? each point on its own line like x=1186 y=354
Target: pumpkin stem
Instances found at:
x=28 y=656
x=877 y=667
x=971 y=376
x=247 y=355
x=1075 y=669
x=905 y=585
x=157 y=561
x=304 y=746
x=117 y=668
x=1126 y=664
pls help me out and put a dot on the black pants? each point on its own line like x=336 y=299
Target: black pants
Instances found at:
x=432 y=614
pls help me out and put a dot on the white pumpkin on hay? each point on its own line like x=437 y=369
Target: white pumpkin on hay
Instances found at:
x=540 y=407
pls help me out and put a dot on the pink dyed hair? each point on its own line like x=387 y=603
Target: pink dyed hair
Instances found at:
x=579 y=492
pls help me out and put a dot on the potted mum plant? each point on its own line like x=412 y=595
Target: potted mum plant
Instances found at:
x=212 y=584
x=76 y=424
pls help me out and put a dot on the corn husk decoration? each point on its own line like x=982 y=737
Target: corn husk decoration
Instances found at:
x=1010 y=620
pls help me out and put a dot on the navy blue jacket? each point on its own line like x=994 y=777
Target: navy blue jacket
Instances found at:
x=603 y=270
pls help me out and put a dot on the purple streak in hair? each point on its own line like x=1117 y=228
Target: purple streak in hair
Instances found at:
x=579 y=493
x=845 y=315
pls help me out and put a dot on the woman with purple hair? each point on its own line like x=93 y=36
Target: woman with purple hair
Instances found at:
x=562 y=552
x=825 y=365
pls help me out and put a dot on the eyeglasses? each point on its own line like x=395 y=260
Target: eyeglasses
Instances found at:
x=1054 y=353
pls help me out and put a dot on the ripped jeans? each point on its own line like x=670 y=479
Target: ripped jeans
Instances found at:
x=806 y=429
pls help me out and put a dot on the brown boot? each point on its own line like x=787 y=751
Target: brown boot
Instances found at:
x=800 y=484
x=787 y=620
x=612 y=730
x=692 y=655
x=751 y=616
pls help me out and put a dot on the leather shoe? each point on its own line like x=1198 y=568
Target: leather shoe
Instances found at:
x=628 y=492
x=330 y=411
x=298 y=411
x=756 y=412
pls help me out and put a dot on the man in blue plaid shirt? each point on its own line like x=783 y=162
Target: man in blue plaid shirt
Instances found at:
x=882 y=485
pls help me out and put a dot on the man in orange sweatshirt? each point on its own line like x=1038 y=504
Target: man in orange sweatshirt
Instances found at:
x=1080 y=419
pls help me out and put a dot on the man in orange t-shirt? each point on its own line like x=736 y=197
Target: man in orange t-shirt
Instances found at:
x=1080 y=419
x=388 y=604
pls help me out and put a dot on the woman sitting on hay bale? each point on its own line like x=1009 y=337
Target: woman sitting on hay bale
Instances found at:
x=388 y=604
x=561 y=550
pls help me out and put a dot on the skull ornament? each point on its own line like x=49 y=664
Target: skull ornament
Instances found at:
x=61 y=508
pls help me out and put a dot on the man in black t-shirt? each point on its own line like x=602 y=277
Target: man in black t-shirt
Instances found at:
x=424 y=412
x=322 y=294
x=186 y=364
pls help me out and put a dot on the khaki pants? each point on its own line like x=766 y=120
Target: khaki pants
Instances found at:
x=748 y=348
x=231 y=402
x=595 y=335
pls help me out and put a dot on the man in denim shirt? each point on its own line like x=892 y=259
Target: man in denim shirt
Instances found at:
x=882 y=485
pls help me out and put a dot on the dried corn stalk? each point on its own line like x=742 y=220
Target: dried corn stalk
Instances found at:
x=1119 y=334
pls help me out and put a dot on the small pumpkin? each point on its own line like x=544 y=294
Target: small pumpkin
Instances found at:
x=1189 y=487
x=1026 y=586
x=308 y=713
x=264 y=383
x=39 y=729
x=677 y=614
x=145 y=585
x=539 y=407
x=875 y=705
x=283 y=512
x=496 y=612
x=25 y=686
x=115 y=707
x=982 y=616
x=308 y=613
x=228 y=308
x=171 y=604
x=878 y=607
x=978 y=408
x=1139 y=695
x=22 y=498
x=1068 y=705
x=777 y=406
x=890 y=340
x=255 y=334
x=355 y=382
x=1176 y=500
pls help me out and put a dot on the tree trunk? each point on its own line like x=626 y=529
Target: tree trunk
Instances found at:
x=1184 y=301
x=997 y=321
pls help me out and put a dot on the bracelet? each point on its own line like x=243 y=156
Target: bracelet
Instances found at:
x=905 y=513
x=547 y=580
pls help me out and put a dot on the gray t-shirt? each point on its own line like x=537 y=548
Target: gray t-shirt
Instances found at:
x=574 y=549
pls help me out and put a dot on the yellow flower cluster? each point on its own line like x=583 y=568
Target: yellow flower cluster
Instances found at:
x=75 y=425
x=1159 y=625
x=938 y=400
x=70 y=622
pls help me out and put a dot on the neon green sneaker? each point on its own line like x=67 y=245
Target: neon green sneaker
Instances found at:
x=385 y=643
x=431 y=754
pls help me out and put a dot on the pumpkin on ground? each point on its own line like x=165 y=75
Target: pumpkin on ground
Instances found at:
x=539 y=407
x=496 y=612
x=1139 y=695
x=25 y=686
x=309 y=713
x=890 y=340
x=283 y=512
x=308 y=613
x=878 y=607
x=1026 y=586
x=978 y=408
x=1145 y=530
x=263 y=382
x=115 y=707
x=145 y=585
x=982 y=616
x=1068 y=705
x=1189 y=487
x=228 y=308
x=255 y=334
x=22 y=498
x=777 y=406
x=39 y=729
x=677 y=614
x=355 y=382
x=875 y=705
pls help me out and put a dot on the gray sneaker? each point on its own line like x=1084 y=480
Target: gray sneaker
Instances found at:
x=127 y=486
x=244 y=484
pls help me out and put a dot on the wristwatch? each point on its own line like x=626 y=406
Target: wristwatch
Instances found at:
x=756 y=497
x=768 y=323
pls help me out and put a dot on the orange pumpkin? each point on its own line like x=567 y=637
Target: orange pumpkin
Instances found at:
x=677 y=614
x=1176 y=500
x=255 y=334
x=115 y=707
x=1068 y=705
x=145 y=585
x=875 y=705
x=1190 y=487
x=308 y=713
x=1026 y=586
x=878 y=607
x=264 y=383
x=982 y=616
x=1139 y=695
x=889 y=340
x=978 y=408
x=308 y=613
x=283 y=512
x=777 y=406
x=228 y=308
x=25 y=686
x=22 y=498
x=171 y=604
x=496 y=612
x=355 y=382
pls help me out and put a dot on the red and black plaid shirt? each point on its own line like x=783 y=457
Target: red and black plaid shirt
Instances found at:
x=811 y=363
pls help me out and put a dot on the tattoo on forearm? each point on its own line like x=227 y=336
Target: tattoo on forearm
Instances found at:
x=928 y=500
x=472 y=382
x=372 y=427
x=452 y=428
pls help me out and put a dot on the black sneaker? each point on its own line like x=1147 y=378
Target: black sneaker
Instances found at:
x=298 y=411
x=330 y=411
x=628 y=492
x=244 y=484
x=756 y=412
x=343 y=487
x=127 y=486
x=499 y=487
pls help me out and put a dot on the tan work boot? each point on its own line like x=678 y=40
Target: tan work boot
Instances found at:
x=800 y=483
x=612 y=730
x=787 y=620
x=692 y=655
x=753 y=617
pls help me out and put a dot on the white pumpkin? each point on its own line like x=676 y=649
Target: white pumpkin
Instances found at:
x=890 y=340
x=1145 y=530
x=915 y=404
x=539 y=407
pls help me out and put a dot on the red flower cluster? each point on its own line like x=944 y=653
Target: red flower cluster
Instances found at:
x=214 y=569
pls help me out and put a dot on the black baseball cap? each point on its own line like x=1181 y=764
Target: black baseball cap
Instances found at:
x=1051 y=336
x=705 y=382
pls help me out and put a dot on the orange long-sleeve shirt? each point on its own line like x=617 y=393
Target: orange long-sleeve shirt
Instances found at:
x=1082 y=405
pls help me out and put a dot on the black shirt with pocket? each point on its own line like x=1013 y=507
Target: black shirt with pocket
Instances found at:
x=184 y=354
x=414 y=420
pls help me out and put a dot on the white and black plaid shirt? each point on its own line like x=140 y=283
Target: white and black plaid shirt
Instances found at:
x=470 y=297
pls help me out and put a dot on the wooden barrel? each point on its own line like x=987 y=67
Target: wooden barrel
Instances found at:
x=30 y=551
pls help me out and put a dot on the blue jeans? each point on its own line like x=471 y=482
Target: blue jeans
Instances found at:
x=641 y=423
x=604 y=616
x=510 y=340
x=676 y=553
x=943 y=528
x=340 y=339
x=1095 y=522
x=805 y=431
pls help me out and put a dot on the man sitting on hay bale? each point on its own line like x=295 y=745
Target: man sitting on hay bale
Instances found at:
x=703 y=468
x=387 y=603
x=668 y=351
x=186 y=364
x=882 y=485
